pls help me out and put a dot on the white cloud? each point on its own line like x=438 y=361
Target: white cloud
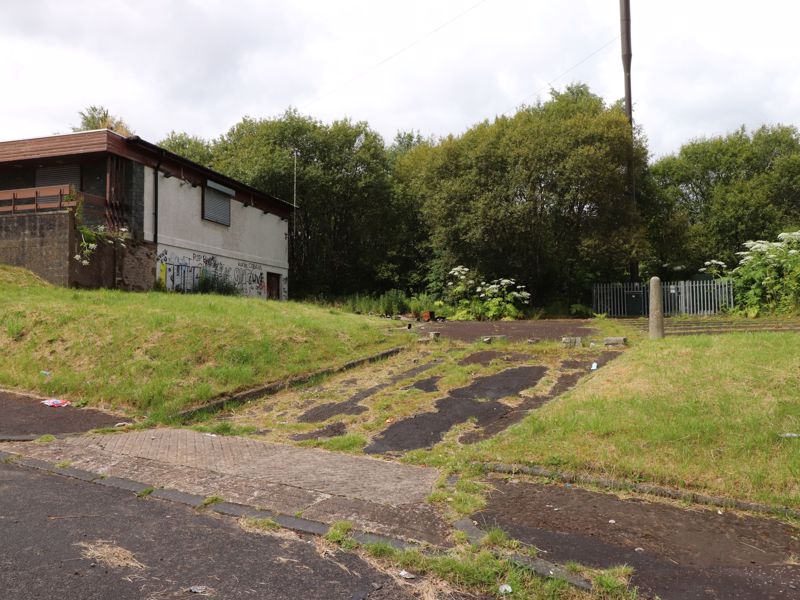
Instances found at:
x=699 y=68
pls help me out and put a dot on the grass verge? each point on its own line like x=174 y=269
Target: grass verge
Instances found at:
x=697 y=412
x=157 y=353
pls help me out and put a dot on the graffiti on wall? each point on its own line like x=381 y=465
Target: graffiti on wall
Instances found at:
x=181 y=271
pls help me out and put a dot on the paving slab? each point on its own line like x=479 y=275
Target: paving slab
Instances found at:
x=379 y=496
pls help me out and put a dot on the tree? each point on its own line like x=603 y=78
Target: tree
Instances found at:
x=728 y=189
x=345 y=231
x=98 y=117
x=541 y=197
x=189 y=146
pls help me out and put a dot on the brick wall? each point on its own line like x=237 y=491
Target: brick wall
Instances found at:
x=137 y=267
x=39 y=242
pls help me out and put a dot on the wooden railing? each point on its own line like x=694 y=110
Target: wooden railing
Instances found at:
x=50 y=197
x=59 y=197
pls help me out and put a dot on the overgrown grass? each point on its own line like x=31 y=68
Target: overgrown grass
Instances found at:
x=699 y=412
x=160 y=352
x=477 y=570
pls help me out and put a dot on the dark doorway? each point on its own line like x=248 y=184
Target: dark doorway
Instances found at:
x=634 y=303
x=273 y=286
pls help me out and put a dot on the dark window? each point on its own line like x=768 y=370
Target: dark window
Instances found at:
x=59 y=175
x=217 y=203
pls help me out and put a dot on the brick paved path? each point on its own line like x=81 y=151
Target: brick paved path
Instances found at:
x=377 y=495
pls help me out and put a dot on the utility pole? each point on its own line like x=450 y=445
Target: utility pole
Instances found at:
x=627 y=55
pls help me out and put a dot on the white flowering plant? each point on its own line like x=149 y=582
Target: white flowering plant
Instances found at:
x=92 y=236
x=475 y=298
x=767 y=278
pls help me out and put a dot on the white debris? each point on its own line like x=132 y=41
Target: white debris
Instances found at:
x=504 y=589
x=406 y=575
x=612 y=521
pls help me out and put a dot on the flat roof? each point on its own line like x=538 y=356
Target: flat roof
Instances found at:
x=139 y=150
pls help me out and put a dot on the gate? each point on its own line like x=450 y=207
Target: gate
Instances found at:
x=680 y=298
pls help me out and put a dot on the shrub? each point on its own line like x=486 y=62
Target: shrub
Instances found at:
x=475 y=299
x=212 y=282
x=767 y=278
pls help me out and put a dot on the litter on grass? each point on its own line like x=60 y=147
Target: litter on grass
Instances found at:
x=504 y=589
x=406 y=575
x=56 y=403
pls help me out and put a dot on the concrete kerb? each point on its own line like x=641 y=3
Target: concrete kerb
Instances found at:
x=277 y=386
x=538 y=566
x=642 y=488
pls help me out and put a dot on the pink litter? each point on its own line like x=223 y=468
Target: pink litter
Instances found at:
x=56 y=402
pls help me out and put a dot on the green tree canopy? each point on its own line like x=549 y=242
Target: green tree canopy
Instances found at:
x=189 y=146
x=99 y=117
x=542 y=196
x=722 y=191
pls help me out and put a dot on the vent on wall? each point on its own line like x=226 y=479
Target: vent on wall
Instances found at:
x=217 y=203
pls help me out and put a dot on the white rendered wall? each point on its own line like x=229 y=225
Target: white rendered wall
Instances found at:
x=253 y=245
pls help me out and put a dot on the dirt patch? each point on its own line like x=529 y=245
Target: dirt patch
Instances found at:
x=565 y=382
x=675 y=552
x=329 y=431
x=22 y=415
x=478 y=400
x=352 y=405
x=546 y=329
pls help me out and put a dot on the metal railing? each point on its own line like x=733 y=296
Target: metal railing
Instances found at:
x=705 y=297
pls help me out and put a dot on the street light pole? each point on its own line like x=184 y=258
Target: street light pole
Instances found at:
x=294 y=193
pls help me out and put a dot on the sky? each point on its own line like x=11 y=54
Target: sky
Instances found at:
x=700 y=68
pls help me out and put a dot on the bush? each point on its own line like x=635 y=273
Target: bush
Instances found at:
x=498 y=299
x=767 y=278
x=211 y=282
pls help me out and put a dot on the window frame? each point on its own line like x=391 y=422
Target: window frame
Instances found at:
x=220 y=189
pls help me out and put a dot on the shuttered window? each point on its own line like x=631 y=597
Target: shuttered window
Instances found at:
x=217 y=203
x=59 y=175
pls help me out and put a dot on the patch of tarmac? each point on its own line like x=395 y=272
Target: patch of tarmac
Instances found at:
x=545 y=329
x=429 y=384
x=478 y=400
x=23 y=415
x=565 y=382
x=49 y=522
x=676 y=553
x=352 y=405
x=484 y=357
x=329 y=431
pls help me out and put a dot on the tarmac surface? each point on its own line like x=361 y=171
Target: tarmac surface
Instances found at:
x=22 y=415
x=677 y=553
x=68 y=539
x=517 y=331
x=378 y=496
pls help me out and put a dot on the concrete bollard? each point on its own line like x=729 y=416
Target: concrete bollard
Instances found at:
x=656 y=309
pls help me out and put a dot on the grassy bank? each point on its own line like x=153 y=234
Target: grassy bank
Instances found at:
x=158 y=352
x=699 y=412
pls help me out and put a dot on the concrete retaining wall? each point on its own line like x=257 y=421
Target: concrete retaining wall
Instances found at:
x=39 y=242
